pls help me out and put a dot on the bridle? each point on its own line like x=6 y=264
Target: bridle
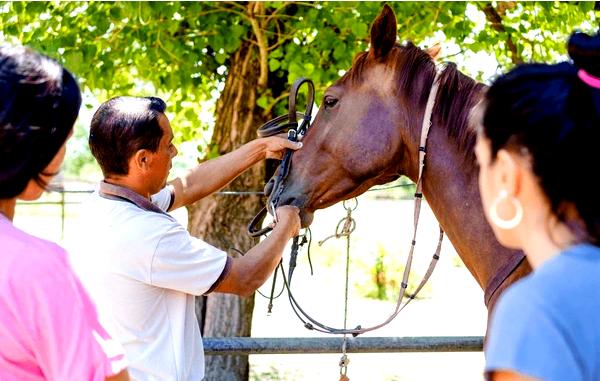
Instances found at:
x=274 y=127
x=295 y=133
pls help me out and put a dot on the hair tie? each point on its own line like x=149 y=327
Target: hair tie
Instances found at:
x=589 y=79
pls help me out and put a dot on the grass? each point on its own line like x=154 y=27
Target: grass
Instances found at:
x=375 y=274
x=272 y=374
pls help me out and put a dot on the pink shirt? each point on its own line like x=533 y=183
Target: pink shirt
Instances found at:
x=49 y=327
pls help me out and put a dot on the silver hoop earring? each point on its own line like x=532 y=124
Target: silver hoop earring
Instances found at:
x=502 y=223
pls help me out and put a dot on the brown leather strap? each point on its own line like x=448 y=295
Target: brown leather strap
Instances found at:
x=508 y=268
x=313 y=324
x=294 y=98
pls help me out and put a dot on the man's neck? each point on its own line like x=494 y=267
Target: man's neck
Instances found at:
x=7 y=208
x=128 y=183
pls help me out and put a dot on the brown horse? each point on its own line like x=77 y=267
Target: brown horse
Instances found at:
x=367 y=132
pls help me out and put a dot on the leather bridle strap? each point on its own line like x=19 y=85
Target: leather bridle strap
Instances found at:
x=311 y=323
x=295 y=132
x=501 y=275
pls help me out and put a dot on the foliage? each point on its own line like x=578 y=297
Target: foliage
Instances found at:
x=272 y=374
x=400 y=189
x=376 y=274
x=382 y=275
x=182 y=50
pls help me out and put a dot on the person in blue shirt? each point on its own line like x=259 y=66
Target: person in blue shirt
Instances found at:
x=538 y=150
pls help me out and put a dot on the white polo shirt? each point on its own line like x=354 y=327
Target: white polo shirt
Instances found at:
x=143 y=269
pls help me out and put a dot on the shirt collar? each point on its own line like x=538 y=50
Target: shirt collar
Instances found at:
x=113 y=191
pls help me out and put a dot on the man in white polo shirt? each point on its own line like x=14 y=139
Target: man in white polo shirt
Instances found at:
x=141 y=267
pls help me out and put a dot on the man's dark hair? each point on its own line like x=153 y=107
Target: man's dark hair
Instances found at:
x=39 y=102
x=121 y=127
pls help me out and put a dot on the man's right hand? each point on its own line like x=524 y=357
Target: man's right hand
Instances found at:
x=289 y=217
x=250 y=271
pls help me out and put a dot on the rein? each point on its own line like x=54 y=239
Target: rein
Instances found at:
x=311 y=323
x=275 y=126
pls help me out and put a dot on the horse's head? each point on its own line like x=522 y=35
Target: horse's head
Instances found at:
x=363 y=133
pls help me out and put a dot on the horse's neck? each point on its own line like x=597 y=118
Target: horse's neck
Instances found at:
x=451 y=189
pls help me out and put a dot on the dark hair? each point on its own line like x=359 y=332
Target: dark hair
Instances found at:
x=555 y=115
x=121 y=127
x=39 y=102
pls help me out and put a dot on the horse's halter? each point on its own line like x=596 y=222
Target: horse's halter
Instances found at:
x=308 y=321
x=295 y=133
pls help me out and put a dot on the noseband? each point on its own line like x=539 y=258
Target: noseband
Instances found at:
x=295 y=133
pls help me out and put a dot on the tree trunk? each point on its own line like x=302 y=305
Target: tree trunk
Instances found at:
x=222 y=220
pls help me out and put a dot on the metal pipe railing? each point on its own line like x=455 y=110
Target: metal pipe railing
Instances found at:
x=309 y=345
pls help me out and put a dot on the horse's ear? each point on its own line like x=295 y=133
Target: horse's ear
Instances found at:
x=434 y=51
x=383 y=32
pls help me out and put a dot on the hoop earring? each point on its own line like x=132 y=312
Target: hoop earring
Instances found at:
x=502 y=223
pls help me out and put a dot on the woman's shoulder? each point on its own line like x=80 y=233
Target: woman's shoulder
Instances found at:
x=566 y=284
x=25 y=255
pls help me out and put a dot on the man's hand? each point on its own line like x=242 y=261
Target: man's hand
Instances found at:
x=275 y=146
x=288 y=216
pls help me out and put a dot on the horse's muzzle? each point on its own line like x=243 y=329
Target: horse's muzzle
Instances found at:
x=299 y=201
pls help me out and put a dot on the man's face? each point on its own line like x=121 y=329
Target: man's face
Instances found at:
x=161 y=160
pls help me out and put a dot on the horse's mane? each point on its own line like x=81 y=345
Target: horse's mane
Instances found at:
x=457 y=93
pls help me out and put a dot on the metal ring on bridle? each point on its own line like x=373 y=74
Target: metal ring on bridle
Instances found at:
x=355 y=204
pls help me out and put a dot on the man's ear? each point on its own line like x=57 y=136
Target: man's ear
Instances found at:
x=140 y=159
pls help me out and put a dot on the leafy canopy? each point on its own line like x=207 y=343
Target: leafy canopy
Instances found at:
x=181 y=51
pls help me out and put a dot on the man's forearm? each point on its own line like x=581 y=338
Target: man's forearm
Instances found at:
x=213 y=175
x=253 y=269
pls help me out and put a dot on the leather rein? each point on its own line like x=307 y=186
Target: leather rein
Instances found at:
x=295 y=133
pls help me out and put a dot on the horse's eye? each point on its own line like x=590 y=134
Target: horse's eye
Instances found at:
x=330 y=101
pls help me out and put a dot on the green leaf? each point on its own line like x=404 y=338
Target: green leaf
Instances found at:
x=359 y=29
x=339 y=52
x=36 y=7
x=586 y=6
x=274 y=64
x=263 y=101
x=73 y=60
x=277 y=53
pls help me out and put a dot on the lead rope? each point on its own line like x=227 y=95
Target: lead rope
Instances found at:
x=348 y=228
x=347 y=225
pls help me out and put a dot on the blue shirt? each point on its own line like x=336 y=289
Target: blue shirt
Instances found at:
x=547 y=325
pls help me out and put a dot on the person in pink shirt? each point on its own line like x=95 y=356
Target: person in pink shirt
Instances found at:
x=49 y=328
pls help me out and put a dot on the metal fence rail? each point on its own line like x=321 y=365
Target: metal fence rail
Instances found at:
x=307 y=345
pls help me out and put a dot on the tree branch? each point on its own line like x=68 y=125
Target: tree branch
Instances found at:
x=257 y=8
x=496 y=22
x=269 y=108
x=160 y=45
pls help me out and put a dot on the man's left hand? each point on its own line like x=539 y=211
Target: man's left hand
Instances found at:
x=275 y=146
